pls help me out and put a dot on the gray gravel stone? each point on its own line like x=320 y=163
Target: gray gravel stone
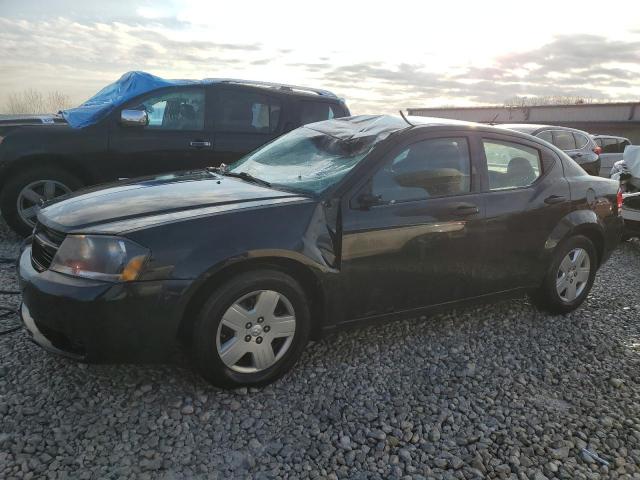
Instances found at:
x=495 y=391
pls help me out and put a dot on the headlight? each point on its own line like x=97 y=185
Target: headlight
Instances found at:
x=112 y=259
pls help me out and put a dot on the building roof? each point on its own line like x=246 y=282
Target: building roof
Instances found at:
x=627 y=112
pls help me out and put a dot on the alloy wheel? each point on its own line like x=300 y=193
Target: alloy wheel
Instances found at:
x=573 y=274
x=32 y=196
x=256 y=331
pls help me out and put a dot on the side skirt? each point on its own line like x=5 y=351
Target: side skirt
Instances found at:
x=416 y=312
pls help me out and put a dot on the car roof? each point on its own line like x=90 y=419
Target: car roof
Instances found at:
x=532 y=128
x=597 y=135
x=280 y=87
x=357 y=126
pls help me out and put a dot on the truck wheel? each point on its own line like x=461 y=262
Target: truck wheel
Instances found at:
x=252 y=330
x=23 y=193
x=570 y=276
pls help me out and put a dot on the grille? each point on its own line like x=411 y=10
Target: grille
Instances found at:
x=44 y=247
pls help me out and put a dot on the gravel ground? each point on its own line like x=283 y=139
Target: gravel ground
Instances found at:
x=497 y=391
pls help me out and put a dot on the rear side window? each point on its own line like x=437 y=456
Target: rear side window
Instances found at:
x=610 y=145
x=564 y=140
x=581 y=140
x=436 y=167
x=246 y=112
x=511 y=165
x=598 y=141
x=318 y=111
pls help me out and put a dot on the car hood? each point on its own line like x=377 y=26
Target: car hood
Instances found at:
x=31 y=120
x=131 y=204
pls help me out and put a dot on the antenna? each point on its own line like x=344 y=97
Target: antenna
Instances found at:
x=493 y=120
x=405 y=118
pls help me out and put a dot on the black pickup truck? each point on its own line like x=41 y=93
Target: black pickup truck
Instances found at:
x=143 y=125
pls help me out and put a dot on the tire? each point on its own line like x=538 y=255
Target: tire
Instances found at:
x=548 y=297
x=213 y=338
x=63 y=182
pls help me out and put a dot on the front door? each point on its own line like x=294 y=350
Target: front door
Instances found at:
x=177 y=136
x=412 y=232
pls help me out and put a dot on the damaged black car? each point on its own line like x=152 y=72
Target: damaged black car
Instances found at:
x=339 y=222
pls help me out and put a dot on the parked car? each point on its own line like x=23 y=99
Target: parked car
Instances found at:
x=627 y=172
x=612 y=150
x=143 y=125
x=338 y=222
x=577 y=144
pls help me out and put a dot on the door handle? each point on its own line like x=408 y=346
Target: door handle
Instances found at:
x=576 y=155
x=200 y=144
x=550 y=200
x=465 y=209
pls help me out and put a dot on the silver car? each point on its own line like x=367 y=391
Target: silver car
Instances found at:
x=612 y=150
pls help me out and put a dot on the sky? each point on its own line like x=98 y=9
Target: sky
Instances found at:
x=379 y=56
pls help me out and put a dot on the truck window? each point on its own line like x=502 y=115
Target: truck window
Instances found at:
x=317 y=111
x=239 y=111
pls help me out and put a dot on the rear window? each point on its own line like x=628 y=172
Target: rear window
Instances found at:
x=311 y=112
x=624 y=144
x=564 y=140
x=610 y=145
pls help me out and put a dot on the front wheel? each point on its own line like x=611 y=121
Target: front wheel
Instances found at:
x=570 y=276
x=252 y=330
x=23 y=194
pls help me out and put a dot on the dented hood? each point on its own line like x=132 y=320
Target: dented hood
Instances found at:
x=178 y=195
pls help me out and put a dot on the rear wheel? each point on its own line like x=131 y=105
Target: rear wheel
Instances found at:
x=252 y=330
x=570 y=276
x=23 y=194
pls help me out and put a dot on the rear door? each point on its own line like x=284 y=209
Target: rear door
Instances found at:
x=177 y=136
x=526 y=197
x=418 y=244
x=244 y=119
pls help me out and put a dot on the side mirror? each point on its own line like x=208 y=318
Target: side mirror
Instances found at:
x=368 y=200
x=134 y=118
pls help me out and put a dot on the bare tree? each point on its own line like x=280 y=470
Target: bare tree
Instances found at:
x=548 y=100
x=32 y=101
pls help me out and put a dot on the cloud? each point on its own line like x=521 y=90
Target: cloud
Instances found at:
x=80 y=56
x=576 y=65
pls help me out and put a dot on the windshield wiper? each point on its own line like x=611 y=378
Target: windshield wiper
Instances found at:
x=246 y=177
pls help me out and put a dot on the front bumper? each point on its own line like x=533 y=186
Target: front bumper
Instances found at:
x=631 y=222
x=100 y=321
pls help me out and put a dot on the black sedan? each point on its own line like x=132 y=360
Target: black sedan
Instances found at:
x=343 y=221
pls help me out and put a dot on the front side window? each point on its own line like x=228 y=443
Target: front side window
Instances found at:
x=511 y=165
x=564 y=140
x=311 y=112
x=181 y=110
x=239 y=111
x=436 y=167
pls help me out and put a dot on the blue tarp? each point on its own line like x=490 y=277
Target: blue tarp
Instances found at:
x=125 y=88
